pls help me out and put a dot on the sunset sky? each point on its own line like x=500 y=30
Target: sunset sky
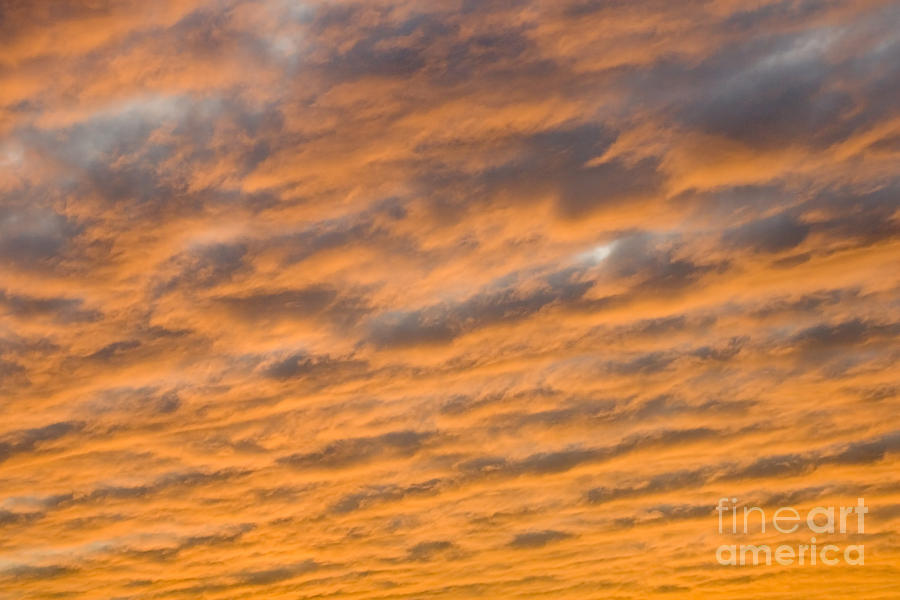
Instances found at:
x=445 y=299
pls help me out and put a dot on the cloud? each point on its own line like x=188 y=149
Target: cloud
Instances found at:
x=33 y=236
x=23 y=441
x=369 y=298
x=384 y=493
x=207 y=266
x=848 y=333
x=425 y=551
x=772 y=234
x=278 y=574
x=443 y=323
x=351 y=452
x=304 y=365
x=537 y=539
x=63 y=310
x=770 y=467
x=39 y=572
x=310 y=302
x=609 y=184
x=127 y=400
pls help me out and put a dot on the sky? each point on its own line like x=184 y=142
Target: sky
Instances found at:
x=450 y=299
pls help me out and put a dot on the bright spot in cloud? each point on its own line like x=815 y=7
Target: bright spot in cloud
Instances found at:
x=11 y=154
x=597 y=253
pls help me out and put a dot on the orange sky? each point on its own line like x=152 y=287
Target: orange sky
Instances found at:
x=444 y=299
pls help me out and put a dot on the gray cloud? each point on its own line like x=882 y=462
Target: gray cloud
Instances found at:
x=315 y=301
x=564 y=460
x=114 y=350
x=37 y=572
x=33 y=236
x=442 y=323
x=28 y=440
x=385 y=493
x=277 y=574
x=207 y=266
x=775 y=466
x=354 y=451
x=425 y=551
x=145 y=400
x=61 y=309
x=537 y=539
x=847 y=333
x=772 y=234
x=302 y=364
x=655 y=266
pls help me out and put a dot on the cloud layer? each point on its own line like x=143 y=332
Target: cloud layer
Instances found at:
x=452 y=299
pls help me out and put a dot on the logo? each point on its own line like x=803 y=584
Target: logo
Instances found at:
x=787 y=520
